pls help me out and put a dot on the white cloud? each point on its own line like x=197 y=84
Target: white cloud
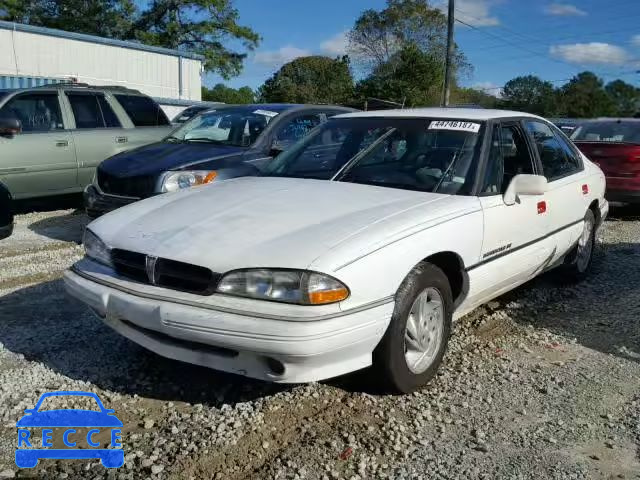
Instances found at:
x=275 y=58
x=475 y=12
x=564 y=10
x=336 y=45
x=591 y=53
x=635 y=40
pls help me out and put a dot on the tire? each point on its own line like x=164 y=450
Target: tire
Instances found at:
x=577 y=264
x=396 y=358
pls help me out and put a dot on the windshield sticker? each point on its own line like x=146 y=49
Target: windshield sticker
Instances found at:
x=266 y=113
x=455 y=125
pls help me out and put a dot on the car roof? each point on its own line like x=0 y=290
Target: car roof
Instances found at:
x=612 y=119
x=444 y=113
x=280 y=107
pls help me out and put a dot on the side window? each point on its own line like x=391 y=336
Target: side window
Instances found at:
x=38 y=112
x=143 y=111
x=91 y=110
x=558 y=159
x=298 y=128
x=508 y=157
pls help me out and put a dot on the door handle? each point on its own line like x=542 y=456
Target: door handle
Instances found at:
x=62 y=143
x=122 y=139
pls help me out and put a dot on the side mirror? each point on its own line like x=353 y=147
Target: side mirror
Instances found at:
x=9 y=126
x=277 y=147
x=524 y=185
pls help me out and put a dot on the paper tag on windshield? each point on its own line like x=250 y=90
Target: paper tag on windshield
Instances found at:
x=454 y=125
x=266 y=113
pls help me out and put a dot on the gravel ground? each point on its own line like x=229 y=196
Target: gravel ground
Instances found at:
x=543 y=383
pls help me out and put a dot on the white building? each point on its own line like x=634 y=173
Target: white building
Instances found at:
x=33 y=56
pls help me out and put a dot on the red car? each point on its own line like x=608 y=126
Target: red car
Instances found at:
x=614 y=144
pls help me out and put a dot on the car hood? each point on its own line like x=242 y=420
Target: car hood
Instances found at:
x=162 y=156
x=69 y=418
x=268 y=222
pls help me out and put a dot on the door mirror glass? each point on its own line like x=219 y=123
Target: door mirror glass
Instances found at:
x=524 y=184
x=9 y=126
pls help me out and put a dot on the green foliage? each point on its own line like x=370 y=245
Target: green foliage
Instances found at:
x=411 y=76
x=625 y=98
x=529 y=94
x=198 y=26
x=222 y=93
x=313 y=79
x=472 y=96
x=106 y=18
x=402 y=49
x=584 y=96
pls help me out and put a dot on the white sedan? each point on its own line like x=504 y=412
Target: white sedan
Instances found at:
x=356 y=248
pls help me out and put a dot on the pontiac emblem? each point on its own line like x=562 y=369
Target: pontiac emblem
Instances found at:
x=150 y=267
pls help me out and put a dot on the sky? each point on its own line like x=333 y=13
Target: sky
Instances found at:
x=502 y=39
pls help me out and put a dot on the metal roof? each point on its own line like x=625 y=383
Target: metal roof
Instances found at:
x=82 y=37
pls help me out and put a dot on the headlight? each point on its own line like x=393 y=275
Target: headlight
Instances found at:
x=173 y=181
x=289 y=286
x=96 y=248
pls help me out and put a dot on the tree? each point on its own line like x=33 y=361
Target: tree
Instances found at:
x=411 y=76
x=584 y=96
x=472 y=96
x=106 y=18
x=222 y=93
x=314 y=79
x=530 y=94
x=625 y=97
x=199 y=26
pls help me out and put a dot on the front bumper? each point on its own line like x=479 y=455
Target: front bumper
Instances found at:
x=272 y=349
x=97 y=203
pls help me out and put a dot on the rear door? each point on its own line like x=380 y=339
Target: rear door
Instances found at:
x=148 y=121
x=567 y=195
x=97 y=131
x=40 y=160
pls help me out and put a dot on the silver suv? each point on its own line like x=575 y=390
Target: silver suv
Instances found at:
x=53 y=137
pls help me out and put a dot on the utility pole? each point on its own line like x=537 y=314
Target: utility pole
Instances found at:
x=450 y=51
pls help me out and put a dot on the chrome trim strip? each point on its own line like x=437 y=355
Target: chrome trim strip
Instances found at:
x=150 y=296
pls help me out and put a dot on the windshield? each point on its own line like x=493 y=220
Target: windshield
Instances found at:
x=430 y=155
x=608 y=131
x=239 y=127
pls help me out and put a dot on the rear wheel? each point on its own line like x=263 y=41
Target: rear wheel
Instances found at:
x=578 y=262
x=413 y=346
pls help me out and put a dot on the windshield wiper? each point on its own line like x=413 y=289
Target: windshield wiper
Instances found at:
x=446 y=172
x=204 y=140
x=172 y=139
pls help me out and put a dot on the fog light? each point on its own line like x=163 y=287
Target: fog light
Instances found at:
x=275 y=366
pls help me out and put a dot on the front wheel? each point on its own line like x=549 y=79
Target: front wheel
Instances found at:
x=578 y=263
x=413 y=346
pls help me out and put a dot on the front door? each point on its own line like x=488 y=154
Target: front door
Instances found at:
x=568 y=197
x=516 y=245
x=40 y=160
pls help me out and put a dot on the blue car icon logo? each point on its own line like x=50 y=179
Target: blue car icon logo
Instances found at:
x=69 y=421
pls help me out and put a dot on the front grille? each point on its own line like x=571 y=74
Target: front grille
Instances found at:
x=140 y=186
x=164 y=272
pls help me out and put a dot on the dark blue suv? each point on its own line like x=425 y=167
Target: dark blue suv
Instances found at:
x=224 y=142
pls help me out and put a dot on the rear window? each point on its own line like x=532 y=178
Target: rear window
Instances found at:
x=609 y=131
x=143 y=111
x=3 y=94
